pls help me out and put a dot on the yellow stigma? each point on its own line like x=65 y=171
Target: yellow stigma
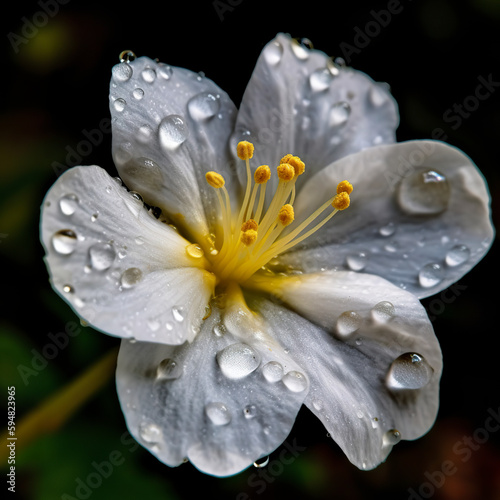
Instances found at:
x=286 y=215
x=244 y=150
x=215 y=180
x=258 y=230
x=262 y=174
x=341 y=201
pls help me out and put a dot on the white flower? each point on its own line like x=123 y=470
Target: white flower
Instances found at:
x=228 y=328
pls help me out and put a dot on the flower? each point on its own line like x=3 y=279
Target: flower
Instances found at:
x=237 y=297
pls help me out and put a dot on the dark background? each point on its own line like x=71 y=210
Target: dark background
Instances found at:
x=55 y=86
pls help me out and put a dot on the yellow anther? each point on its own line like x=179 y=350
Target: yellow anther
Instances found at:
x=344 y=187
x=244 y=150
x=297 y=164
x=341 y=201
x=215 y=180
x=248 y=237
x=286 y=158
x=249 y=224
x=286 y=172
x=262 y=174
x=286 y=215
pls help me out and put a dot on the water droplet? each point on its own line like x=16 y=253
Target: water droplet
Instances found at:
x=194 y=250
x=392 y=437
x=131 y=277
x=119 y=104
x=122 y=72
x=64 y=241
x=262 y=462
x=218 y=413
x=250 y=411
x=295 y=381
x=332 y=67
x=165 y=71
x=168 y=369
x=273 y=53
x=126 y=56
x=357 y=261
x=94 y=217
x=68 y=289
x=68 y=204
x=122 y=253
x=138 y=94
x=339 y=113
x=150 y=433
x=101 y=255
x=424 y=192
x=173 y=132
x=178 y=313
x=169 y=326
x=377 y=96
x=359 y=414
x=409 y=371
x=238 y=360
x=219 y=330
x=430 y=275
x=388 y=229
x=272 y=371
x=348 y=323
x=203 y=106
x=299 y=49
x=383 y=311
x=148 y=75
x=457 y=255
x=374 y=422
x=317 y=404
x=320 y=79
x=153 y=324
x=145 y=133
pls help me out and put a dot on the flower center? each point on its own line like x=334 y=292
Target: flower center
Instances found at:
x=252 y=236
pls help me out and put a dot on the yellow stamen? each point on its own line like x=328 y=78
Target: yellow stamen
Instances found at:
x=344 y=187
x=248 y=237
x=244 y=150
x=285 y=172
x=298 y=165
x=286 y=158
x=262 y=174
x=215 y=180
x=286 y=215
x=249 y=224
x=341 y=201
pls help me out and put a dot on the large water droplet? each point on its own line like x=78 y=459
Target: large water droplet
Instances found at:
x=383 y=311
x=238 y=360
x=168 y=369
x=194 y=250
x=457 y=255
x=391 y=437
x=272 y=371
x=64 y=241
x=218 y=413
x=295 y=381
x=357 y=261
x=131 y=277
x=126 y=56
x=273 y=53
x=173 y=131
x=409 y=371
x=119 y=104
x=178 y=313
x=301 y=48
x=138 y=93
x=348 y=323
x=387 y=230
x=122 y=72
x=165 y=71
x=219 y=330
x=377 y=96
x=430 y=275
x=68 y=204
x=101 y=256
x=424 y=192
x=339 y=113
x=151 y=433
x=148 y=75
x=320 y=79
x=203 y=106
x=261 y=462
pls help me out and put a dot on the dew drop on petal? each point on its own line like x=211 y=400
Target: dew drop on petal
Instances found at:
x=377 y=96
x=172 y=132
x=250 y=411
x=299 y=49
x=388 y=229
x=194 y=250
x=148 y=75
x=409 y=371
x=424 y=192
x=119 y=104
x=262 y=462
x=64 y=241
x=165 y=71
x=101 y=256
x=139 y=240
x=203 y=106
x=219 y=330
x=348 y=323
x=153 y=324
x=320 y=80
x=68 y=204
x=295 y=381
x=430 y=275
x=131 y=277
x=383 y=311
x=457 y=255
x=238 y=360
x=178 y=313
x=138 y=93
x=391 y=437
x=273 y=53
x=357 y=261
x=126 y=56
x=150 y=433
x=218 y=413
x=168 y=369
x=339 y=113
x=317 y=404
x=272 y=371
x=68 y=289
x=145 y=134
x=122 y=72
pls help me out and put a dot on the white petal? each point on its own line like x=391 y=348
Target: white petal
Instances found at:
x=298 y=102
x=383 y=376
x=122 y=270
x=419 y=216
x=209 y=401
x=170 y=126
